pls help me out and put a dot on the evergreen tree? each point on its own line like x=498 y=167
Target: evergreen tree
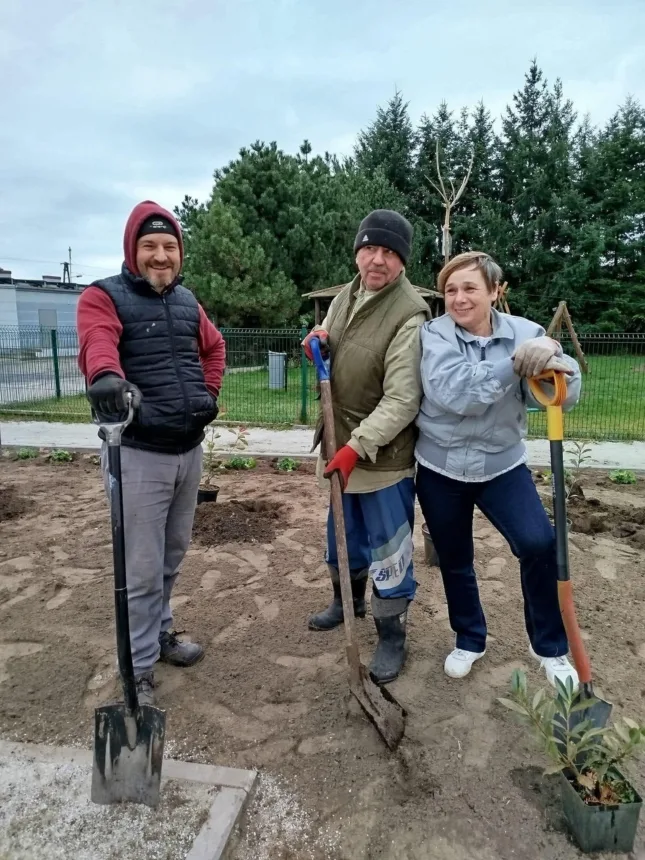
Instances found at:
x=389 y=144
x=231 y=275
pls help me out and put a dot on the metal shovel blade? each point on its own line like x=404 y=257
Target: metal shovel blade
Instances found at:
x=381 y=708
x=597 y=712
x=128 y=754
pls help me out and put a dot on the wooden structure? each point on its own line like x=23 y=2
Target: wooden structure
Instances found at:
x=501 y=302
x=432 y=297
x=555 y=331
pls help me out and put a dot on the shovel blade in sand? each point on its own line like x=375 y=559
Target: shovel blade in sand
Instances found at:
x=381 y=708
x=128 y=754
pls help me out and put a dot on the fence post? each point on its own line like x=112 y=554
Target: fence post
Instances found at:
x=54 y=340
x=304 y=378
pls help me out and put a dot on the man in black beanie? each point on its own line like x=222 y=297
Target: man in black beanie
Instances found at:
x=372 y=333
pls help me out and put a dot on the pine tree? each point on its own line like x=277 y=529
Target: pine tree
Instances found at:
x=389 y=144
x=231 y=275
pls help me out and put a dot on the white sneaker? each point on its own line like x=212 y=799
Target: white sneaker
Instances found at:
x=459 y=662
x=557 y=667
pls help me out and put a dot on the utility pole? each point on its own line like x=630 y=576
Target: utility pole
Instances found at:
x=67 y=269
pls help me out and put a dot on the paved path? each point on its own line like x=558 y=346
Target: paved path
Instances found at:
x=290 y=443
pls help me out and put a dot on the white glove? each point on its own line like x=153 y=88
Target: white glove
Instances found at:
x=533 y=355
x=557 y=363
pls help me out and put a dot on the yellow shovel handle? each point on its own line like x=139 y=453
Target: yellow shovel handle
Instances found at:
x=554 y=420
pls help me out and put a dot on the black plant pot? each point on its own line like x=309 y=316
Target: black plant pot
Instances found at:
x=430 y=553
x=207 y=494
x=600 y=828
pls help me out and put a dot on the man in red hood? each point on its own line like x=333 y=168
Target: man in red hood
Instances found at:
x=143 y=335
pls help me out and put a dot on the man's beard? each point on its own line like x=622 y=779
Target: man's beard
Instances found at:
x=160 y=279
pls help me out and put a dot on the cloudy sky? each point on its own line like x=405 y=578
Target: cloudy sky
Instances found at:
x=107 y=102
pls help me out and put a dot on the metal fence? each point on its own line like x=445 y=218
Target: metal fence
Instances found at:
x=268 y=381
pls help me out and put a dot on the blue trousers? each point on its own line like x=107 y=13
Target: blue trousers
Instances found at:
x=512 y=504
x=379 y=537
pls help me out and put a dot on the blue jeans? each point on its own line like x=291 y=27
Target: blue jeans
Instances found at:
x=379 y=537
x=512 y=504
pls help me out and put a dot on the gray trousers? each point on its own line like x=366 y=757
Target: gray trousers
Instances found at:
x=159 y=499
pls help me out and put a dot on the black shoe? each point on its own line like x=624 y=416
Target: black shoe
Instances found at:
x=145 y=684
x=333 y=616
x=178 y=653
x=389 y=656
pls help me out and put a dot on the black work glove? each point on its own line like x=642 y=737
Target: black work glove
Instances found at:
x=108 y=395
x=215 y=406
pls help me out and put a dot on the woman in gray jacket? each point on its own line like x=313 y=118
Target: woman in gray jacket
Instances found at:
x=471 y=453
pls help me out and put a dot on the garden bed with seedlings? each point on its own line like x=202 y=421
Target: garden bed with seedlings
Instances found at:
x=467 y=780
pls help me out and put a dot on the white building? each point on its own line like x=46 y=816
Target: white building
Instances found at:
x=45 y=303
x=31 y=308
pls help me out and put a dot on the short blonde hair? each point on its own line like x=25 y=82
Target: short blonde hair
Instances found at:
x=491 y=271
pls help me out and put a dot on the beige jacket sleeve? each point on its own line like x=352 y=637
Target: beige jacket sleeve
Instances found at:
x=402 y=392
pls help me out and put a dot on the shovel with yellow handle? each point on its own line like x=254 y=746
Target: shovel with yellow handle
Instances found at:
x=596 y=711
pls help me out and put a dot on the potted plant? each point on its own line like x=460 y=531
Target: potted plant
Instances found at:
x=600 y=805
x=213 y=463
x=430 y=553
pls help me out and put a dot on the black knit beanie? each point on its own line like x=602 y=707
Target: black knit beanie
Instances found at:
x=388 y=229
x=156 y=224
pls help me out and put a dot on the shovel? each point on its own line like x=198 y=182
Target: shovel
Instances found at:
x=589 y=707
x=128 y=738
x=380 y=706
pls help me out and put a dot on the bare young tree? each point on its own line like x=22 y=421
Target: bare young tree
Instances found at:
x=449 y=199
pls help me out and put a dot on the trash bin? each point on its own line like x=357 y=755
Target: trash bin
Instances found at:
x=277 y=369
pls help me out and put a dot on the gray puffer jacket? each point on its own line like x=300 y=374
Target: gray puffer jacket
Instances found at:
x=472 y=421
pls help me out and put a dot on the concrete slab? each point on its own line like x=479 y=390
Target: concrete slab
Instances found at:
x=199 y=808
x=295 y=442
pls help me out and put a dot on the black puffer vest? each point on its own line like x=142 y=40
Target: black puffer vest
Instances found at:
x=159 y=354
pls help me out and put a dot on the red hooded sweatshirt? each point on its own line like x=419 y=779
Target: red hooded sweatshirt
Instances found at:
x=99 y=328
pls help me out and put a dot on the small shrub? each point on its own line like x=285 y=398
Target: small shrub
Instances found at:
x=213 y=463
x=590 y=756
x=59 y=456
x=622 y=476
x=27 y=454
x=241 y=463
x=287 y=464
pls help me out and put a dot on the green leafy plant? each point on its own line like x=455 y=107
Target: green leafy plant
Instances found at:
x=213 y=462
x=60 y=456
x=579 y=454
x=622 y=476
x=287 y=464
x=241 y=463
x=27 y=454
x=589 y=756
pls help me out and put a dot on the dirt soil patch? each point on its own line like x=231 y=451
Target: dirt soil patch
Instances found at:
x=253 y=521
x=466 y=782
x=12 y=504
x=604 y=507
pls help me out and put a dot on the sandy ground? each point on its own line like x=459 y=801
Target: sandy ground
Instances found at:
x=466 y=781
x=46 y=811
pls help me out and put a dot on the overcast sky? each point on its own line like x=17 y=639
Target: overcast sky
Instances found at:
x=108 y=102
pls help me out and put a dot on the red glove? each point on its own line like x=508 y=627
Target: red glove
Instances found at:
x=322 y=335
x=343 y=463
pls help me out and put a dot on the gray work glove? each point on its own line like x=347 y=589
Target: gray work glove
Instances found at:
x=531 y=358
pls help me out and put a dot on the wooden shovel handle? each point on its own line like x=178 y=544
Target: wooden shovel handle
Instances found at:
x=329 y=437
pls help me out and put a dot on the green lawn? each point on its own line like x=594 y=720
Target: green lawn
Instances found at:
x=612 y=404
